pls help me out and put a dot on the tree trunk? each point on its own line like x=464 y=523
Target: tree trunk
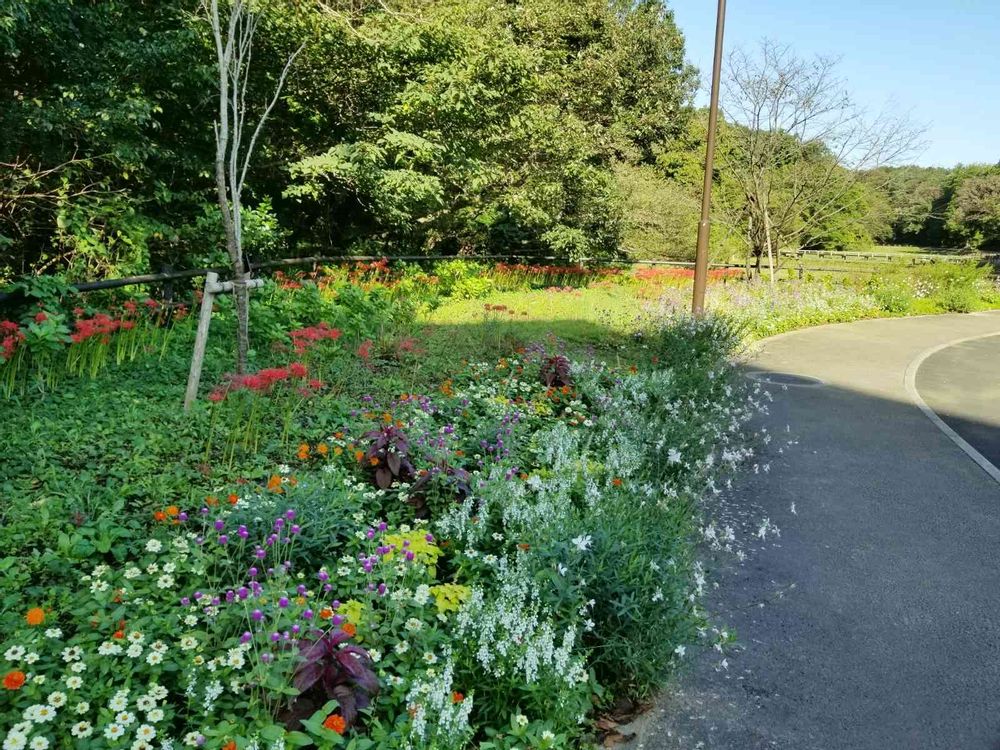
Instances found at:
x=767 y=243
x=241 y=299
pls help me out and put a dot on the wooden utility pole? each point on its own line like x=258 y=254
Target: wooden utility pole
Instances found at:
x=701 y=257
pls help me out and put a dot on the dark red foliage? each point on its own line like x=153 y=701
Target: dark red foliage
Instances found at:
x=337 y=671
x=555 y=372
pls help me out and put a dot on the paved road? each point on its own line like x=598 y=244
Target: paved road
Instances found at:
x=961 y=383
x=873 y=622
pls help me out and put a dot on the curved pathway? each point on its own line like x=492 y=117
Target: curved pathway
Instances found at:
x=873 y=621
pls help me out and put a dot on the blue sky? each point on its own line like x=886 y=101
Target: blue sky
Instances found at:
x=939 y=60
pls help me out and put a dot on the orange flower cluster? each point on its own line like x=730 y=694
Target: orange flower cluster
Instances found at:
x=166 y=514
x=13 y=680
x=35 y=616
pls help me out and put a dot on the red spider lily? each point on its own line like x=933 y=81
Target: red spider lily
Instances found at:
x=100 y=325
x=41 y=317
x=304 y=338
x=365 y=350
x=130 y=307
x=10 y=337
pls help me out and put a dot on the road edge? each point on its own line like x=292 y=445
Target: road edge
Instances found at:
x=910 y=383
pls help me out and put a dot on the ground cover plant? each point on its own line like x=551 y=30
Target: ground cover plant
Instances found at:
x=338 y=548
x=467 y=515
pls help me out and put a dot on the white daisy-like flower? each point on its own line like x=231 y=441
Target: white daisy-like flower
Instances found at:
x=169 y=567
x=22 y=727
x=109 y=648
x=81 y=708
x=155 y=715
x=145 y=732
x=114 y=731
x=165 y=581
x=78 y=666
x=72 y=653
x=158 y=692
x=73 y=682
x=413 y=625
x=401 y=648
x=191 y=739
x=430 y=658
x=154 y=657
x=154 y=545
x=14 y=653
x=38 y=679
x=583 y=542
x=159 y=646
x=57 y=699
x=136 y=636
x=131 y=573
x=81 y=729
x=190 y=620
x=125 y=718
x=40 y=713
x=119 y=701
x=38 y=743
x=141 y=745
x=31 y=657
x=53 y=633
x=134 y=651
x=15 y=741
x=145 y=703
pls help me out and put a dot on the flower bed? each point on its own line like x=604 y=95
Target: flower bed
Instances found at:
x=481 y=564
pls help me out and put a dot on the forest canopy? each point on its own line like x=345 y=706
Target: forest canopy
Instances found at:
x=551 y=127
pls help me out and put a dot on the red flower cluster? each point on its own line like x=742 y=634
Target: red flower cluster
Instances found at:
x=265 y=380
x=304 y=338
x=100 y=325
x=287 y=282
x=10 y=337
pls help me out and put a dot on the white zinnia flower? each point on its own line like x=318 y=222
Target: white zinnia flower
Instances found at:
x=154 y=545
x=81 y=729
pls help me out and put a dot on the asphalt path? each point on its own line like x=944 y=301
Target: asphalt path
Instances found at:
x=873 y=621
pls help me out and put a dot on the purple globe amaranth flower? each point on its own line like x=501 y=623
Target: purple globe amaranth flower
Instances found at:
x=216 y=601
x=275 y=637
x=382 y=589
x=283 y=602
x=261 y=553
x=327 y=587
x=300 y=589
x=383 y=526
x=307 y=615
x=242 y=592
x=323 y=575
x=296 y=529
x=246 y=637
x=182 y=517
x=296 y=629
x=335 y=605
x=336 y=619
x=199 y=540
x=201 y=740
x=219 y=524
x=429 y=537
x=204 y=511
x=253 y=572
x=278 y=523
x=242 y=532
x=257 y=615
x=290 y=514
x=370 y=533
x=409 y=555
x=185 y=601
x=197 y=595
x=223 y=539
x=266 y=658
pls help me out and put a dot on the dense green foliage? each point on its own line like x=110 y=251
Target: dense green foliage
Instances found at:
x=441 y=126
x=937 y=207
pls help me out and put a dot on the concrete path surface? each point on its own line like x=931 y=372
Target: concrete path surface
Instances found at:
x=873 y=621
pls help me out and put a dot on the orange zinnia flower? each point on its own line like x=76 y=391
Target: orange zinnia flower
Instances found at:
x=13 y=680
x=322 y=449
x=231 y=745
x=160 y=515
x=211 y=500
x=335 y=723
x=617 y=482
x=35 y=616
x=233 y=499
x=350 y=629
x=303 y=452
x=118 y=634
x=326 y=613
x=457 y=697
x=337 y=450
x=173 y=510
x=274 y=483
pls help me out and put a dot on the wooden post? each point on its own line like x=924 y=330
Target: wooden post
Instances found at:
x=212 y=288
x=201 y=339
